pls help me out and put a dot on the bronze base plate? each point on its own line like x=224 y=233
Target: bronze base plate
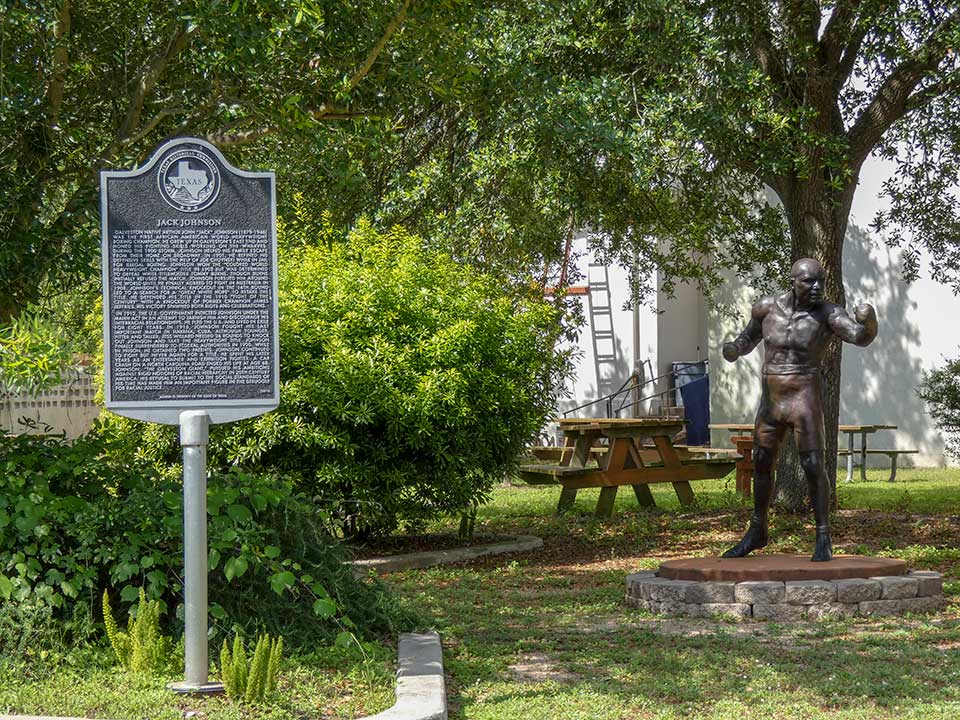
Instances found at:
x=780 y=568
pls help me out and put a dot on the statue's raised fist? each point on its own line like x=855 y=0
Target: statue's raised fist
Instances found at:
x=864 y=312
x=730 y=352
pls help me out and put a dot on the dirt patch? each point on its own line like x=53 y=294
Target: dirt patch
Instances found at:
x=538 y=668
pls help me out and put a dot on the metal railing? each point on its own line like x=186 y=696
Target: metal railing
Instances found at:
x=634 y=381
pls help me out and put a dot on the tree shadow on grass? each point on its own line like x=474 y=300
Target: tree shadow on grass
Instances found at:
x=627 y=666
x=571 y=613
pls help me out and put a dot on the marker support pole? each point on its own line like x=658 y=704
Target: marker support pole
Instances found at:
x=194 y=433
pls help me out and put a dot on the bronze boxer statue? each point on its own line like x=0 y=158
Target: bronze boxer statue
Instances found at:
x=796 y=328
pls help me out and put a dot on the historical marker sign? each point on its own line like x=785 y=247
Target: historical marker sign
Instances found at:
x=189 y=287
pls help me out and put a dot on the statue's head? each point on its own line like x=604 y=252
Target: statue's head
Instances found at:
x=807 y=277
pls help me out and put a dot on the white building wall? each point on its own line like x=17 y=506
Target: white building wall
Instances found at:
x=681 y=331
x=583 y=386
x=665 y=331
x=917 y=331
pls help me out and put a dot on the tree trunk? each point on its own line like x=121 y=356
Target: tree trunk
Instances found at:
x=818 y=225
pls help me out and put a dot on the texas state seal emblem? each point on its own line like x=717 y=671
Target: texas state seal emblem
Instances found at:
x=189 y=180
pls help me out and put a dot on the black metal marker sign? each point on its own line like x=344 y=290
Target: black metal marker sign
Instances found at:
x=189 y=287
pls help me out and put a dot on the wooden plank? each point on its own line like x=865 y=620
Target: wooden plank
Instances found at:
x=649 y=475
x=667 y=452
x=620 y=450
x=731 y=426
x=684 y=492
x=878 y=451
x=608 y=496
x=557 y=470
x=618 y=422
x=567 y=497
x=644 y=496
x=581 y=448
x=558 y=453
x=865 y=428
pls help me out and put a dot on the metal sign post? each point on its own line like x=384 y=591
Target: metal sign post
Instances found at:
x=189 y=255
x=194 y=431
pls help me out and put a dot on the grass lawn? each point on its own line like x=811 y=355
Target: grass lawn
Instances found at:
x=329 y=683
x=546 y=634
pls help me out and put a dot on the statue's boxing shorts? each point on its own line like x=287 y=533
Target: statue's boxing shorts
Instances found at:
x=791 y=399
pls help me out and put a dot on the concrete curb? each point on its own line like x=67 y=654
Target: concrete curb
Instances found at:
x=411 y=561
x=421 y=692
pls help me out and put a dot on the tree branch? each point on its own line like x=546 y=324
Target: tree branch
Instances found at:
x=375 y=51
x=243 y=137
x=892 y=100
x=149 y=78
x=762 y=45
x=325 y=112
x=149 y=126
x=60 y=60
x=838 y=34
x=802 y=17
x=851 y=52
x=226 y=138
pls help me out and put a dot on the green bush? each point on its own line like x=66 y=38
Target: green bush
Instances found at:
x=77 y=517
x=940 y=389
x=409 y=382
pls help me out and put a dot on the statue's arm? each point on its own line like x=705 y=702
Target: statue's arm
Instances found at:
x=752 y=334
x=860 y=329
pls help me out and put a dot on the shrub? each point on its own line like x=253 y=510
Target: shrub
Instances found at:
x=76 y=517
x=940 y=389
x=142 y=648
x=33 y=349
x=409 y=382
x=255 y=681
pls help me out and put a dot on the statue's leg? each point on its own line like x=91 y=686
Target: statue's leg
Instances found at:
x=812 y=463
x=764 y=459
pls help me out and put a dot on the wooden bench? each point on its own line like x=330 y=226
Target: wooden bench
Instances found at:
x=892 y=454
x=562 y=453
x=692 y=465
x=707 y=452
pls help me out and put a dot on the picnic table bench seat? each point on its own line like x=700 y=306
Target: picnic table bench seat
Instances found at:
x=891 y=453
x=663 y=462
x=563 y=453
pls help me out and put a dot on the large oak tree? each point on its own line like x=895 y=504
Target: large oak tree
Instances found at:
x=664 y=126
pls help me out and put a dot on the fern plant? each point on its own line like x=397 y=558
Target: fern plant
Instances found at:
x=254 y=681
x=141 y=649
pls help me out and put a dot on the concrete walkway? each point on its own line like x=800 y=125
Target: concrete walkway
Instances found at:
x=396 y=563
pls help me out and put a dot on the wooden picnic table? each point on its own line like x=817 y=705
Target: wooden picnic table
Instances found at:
x=738 y=430
x=862 y=430
x=741 y=435
x=627 y=461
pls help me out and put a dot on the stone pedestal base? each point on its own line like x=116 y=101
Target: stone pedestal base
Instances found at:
x=783 y=588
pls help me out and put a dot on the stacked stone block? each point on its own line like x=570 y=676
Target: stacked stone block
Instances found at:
x=918 y=591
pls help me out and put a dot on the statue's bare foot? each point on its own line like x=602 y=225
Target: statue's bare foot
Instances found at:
x=823 y=548
x=755 y=538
